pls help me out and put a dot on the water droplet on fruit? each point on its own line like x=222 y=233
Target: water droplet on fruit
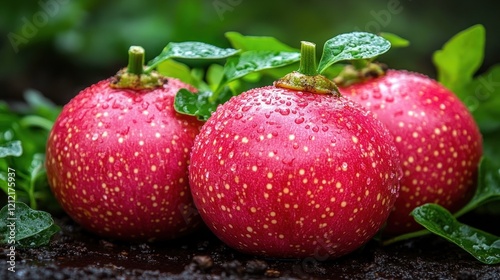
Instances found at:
x=267 y=114
x=302 y=103
x=284 y=112
x=344 y=166
x=315 y=128
x=299 y=120
x=377 y=95
x=238 y=116
x=145 y=105
x=95 y=136
x=138 y=99
x=398 y=113
x=246 y=108
x=324 y=128
x=389 y=99
x=295 y=145
x=233 y=167
x=364 y=96
x=368 y=180
x=288 y=161
x=105 y=106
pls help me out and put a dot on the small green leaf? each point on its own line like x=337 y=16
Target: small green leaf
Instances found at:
x=488 y=186
x=24 y=227
x=174 y=69
x=199 y=104
x=460 y=57
x=254 y=61
x=482 y=245
x=12 y=148
x=395 y=40
x=350 y=46
x=257 y=43
x=35 y=99
x=191 y=50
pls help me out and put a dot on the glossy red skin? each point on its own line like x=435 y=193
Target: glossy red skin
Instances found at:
x=117 y=162
x=290 y=174
x=439 y=143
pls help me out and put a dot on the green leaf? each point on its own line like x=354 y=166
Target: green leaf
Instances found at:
x=488 y=186
x=395 y=40
x=254 y=61
x=174 y=69
x=24 y=227
x=199 y=104
x=12 y=148
x=482 y=97
x=257 y=43
x=460 y=58
x=350 y=46
x=190 y=50
x=482 y=245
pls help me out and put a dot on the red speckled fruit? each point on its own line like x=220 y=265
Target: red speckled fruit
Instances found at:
x=117 y=162
x=292 y=174
x=439 y=143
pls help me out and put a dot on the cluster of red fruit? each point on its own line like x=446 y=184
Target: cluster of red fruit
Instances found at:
x=289 y=170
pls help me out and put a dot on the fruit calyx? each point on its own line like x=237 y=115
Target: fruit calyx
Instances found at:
x=307 y=77
x=134 y=76
x=359 y=71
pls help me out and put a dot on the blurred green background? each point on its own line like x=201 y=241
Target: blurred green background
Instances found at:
x=59 y=46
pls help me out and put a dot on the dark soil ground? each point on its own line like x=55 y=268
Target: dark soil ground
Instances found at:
x=76 y=254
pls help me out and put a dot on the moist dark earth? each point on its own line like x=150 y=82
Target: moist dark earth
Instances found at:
x=74 y=253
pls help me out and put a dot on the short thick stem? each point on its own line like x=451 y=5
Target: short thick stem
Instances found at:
x=307 y=77
x=134 y=76
x=135 y=60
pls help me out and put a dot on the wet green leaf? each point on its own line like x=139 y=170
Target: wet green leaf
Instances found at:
x=12 y=148
x=350 y=46
x=191 y=50
x=174 y=69
x=199 y=104
x=254 y=61
x=482 y=245
x=460 y=58
x=24 y=227
x=257 y=43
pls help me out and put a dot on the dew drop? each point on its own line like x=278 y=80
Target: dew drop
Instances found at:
x=105 y=106
x=299 y=120
x=233 y=167
x=398 y=113
x=284 y=112
x=324 y=128
x=144 y=105
x=368 y=180
x=238 y=116
x=246 y=108
x=344 y=166
x=315 y=128
x=389 y=99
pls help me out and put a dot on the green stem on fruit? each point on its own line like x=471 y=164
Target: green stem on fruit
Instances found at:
x=134 y=76
x=135 y=60
x=307 y=77
x=308 y=59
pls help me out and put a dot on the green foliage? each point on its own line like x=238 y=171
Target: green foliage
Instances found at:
x=482 y=245
x=395 y=40
x=351 y=46
x=22 y=226
x=23 y=136
x=460 y=58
